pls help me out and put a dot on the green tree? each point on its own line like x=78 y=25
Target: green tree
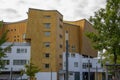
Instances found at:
x=21 y=73
x=3 y=39
x=31 y=69
x=106 y=22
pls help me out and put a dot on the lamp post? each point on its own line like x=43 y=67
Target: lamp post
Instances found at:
x=96 y=72
x=66 y=39
x=107 y=70
x=88 y=69
x=11 y=73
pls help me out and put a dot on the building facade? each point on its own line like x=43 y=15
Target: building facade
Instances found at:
x=45 y=31
x=16 y=58
x=80 y=67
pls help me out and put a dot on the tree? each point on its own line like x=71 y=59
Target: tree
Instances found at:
x=21 y=73
x=31 y=69
x=109 y=58
x=3 y=39
x=106 y=22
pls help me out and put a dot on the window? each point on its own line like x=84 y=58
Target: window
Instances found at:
x=85 y=65
x=47 y=33
x=47 y=55
x=19 y=62
x=9 y=50
x=47 y=65
x=60 y=64
x=61 y=19
x=61 y=26
x=6 y=62
x=72 y=55
x=8 y=30
x=25 y=50
x=85 y=56
x=47 y=44
x=60 y=56
x=60 y=36
x=71 y=73
x=47 y=25
x=18 y=50
x=47 y=16
x=75 y=64
x=60 y=45
x=21 y=50
x=73 y=47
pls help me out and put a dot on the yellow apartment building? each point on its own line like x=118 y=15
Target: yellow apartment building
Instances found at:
x=45 y=31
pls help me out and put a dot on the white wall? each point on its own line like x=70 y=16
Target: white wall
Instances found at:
x=95 y=64
x=80 y=59
x=16 y=56
x=46 y=76
x=71 y=60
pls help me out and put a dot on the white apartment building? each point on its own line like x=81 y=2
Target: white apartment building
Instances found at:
x=78 y=67
x=19 y=55
x=15 y=59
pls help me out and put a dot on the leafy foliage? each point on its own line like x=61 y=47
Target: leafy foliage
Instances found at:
x=109 y=58
x=107 y=24
x=31 y=69
x=3 y=39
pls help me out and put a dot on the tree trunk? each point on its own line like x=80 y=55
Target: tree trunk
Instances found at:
x=115 y=61
x=115 y=57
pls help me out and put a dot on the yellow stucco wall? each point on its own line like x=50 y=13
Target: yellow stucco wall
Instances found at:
x=35 y=32
x=85 y=44
x=74 y=37
x=16 y=30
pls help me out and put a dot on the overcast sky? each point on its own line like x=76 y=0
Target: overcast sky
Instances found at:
x=15 y=10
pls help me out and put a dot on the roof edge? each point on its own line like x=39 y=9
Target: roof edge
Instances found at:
x=15 y=22
x=45 y=10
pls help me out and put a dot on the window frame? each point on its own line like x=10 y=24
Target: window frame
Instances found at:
x=47 y=25
x=47 y=66
x=47 y=33
x=75 y=64
x=47 y=44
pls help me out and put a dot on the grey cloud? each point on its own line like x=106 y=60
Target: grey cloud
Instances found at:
x=22 y=2
x=83 y=3
x=75 y=1
x=80 y=13
x=10 y=10
x=85 y=9
x=9 y=14
x=81 y=6
x=69 y=8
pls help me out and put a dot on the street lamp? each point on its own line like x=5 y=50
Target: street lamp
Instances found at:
x=96 y=72
x=89 y=69
x=66 y=39
x=11 y=73
x=107 y=70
